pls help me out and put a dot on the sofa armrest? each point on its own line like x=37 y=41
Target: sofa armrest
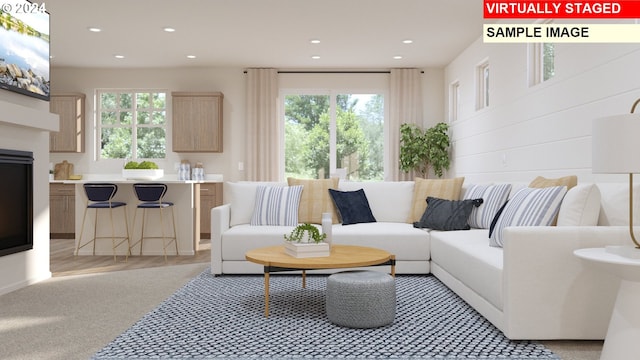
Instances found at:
x=548 y=291
x=220 y=217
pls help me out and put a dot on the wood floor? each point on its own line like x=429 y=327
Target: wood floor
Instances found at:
x=64 y=263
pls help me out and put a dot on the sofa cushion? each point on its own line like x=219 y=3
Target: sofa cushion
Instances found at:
x=276 y=205
x=580 y=206
x=315 y=199
x=242 y=197
x=241 y=238
x=466 y=256
x=529 y=207
x=447 y=215
x=352 y=206
x=390 y=201
x=400 y=239
x=493 y=196
x=448 y=189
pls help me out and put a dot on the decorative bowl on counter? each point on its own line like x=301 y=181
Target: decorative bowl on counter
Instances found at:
x=142 y=174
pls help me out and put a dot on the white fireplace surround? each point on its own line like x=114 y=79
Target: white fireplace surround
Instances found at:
x=27 y=129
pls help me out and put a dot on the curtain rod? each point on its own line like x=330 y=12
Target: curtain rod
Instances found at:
x=334 y=72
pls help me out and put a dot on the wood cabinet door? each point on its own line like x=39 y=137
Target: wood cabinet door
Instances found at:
x=197 y=122
x=70 y=137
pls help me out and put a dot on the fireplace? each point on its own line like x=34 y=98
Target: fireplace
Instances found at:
x=16 y=201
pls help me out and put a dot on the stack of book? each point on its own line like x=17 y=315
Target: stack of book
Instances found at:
x=306 y=250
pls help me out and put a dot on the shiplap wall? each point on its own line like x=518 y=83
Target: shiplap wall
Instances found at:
x=543 y=129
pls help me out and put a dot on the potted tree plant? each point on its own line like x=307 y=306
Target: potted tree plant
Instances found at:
x=424 y=150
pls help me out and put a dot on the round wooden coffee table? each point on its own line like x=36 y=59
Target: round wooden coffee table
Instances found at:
x=275 y=259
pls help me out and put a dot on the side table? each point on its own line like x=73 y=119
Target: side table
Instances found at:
x=623 y=335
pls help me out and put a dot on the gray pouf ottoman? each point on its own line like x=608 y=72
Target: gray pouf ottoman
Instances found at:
x=361 y=299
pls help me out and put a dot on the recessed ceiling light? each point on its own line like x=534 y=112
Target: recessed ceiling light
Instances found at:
x=397 y=57
x=94 y=29
x=118 y=56
x=314 y=41
x=169 y=29
x=191 y=56
x=407 y=41
x=315 y=57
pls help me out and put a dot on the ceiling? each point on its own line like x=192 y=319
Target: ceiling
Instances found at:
x=353 y=34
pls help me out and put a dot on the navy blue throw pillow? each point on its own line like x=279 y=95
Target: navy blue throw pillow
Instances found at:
x=353 y=206
x=447 y=215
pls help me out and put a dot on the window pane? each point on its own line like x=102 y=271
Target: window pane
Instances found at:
x=151 y=143
x=143 y=100
x=159 y=100
x=307 y=136
x=108 y=101
x=116 y=143
x=548 y=61
x=159 y=117
x=143 y=117
x=108 y=117
x=360 y=136
x=126 y=101
x=126 y=117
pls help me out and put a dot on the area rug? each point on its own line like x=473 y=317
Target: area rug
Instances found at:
x=223 y=318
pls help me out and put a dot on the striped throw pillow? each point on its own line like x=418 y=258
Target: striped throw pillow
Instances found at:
x=529 y=207
x=493 y=196
x=276 y=205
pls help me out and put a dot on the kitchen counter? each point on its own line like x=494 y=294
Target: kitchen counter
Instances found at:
x=185 y=194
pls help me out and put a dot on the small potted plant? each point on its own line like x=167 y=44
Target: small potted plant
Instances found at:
x=306 y=241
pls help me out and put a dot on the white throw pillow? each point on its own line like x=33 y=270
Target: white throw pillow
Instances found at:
x=242 y=197
x=277 y=205
x=529 y=207
x=580 y=206
x=493 y=197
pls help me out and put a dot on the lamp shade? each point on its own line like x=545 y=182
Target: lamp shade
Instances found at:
x=615 y=144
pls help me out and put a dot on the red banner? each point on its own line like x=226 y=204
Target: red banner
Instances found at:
x=519 y=9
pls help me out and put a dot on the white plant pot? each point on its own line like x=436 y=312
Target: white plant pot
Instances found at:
x=142 y=174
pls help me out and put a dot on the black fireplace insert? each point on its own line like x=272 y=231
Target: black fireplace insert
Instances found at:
x=16 y=201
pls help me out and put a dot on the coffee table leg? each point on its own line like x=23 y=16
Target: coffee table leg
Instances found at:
x=393 y=265
x=304 y=279
x=266 y=294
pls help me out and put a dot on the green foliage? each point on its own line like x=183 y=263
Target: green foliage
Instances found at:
x=131 y=165
x=298 y=232
x=424 y=150
x=359 y=137
x=143 y=165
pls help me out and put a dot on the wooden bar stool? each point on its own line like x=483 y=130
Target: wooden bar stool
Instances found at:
x=100 y=197
x=151 y=196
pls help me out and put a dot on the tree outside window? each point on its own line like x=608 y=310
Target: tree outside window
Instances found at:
x=132 y=124
x=357 y=141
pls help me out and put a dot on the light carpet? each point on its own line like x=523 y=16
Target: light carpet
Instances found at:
x=223 y=318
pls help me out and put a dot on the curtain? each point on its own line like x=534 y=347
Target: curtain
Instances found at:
x=405 y=106
x=263 y=127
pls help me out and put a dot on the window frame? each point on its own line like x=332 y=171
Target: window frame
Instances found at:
x=333 y=93
x=454 y=101
x=98 y=125
x=483 y=72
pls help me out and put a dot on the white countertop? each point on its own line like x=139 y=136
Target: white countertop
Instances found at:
x=168 y=178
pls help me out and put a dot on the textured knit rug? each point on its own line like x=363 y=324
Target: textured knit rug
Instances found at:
x=223 y=318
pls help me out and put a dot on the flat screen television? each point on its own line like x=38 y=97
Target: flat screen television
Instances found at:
x=24 y=48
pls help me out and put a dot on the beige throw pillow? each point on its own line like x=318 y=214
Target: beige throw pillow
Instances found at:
x=315 y=199
x=448 y=189
x=541 y=182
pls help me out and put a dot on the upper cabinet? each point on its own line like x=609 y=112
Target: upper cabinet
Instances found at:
x=70 y=107
x=197 y=121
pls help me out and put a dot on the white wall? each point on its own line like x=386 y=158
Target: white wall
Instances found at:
x=24 y=125
x=540 y=130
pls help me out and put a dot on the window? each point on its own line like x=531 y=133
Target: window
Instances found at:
x=454 y=101
x=482 y=81
x=131 y=124
x=541 y=62
x=334 y=134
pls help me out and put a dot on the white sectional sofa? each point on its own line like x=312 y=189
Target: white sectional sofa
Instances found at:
x=531 y=288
